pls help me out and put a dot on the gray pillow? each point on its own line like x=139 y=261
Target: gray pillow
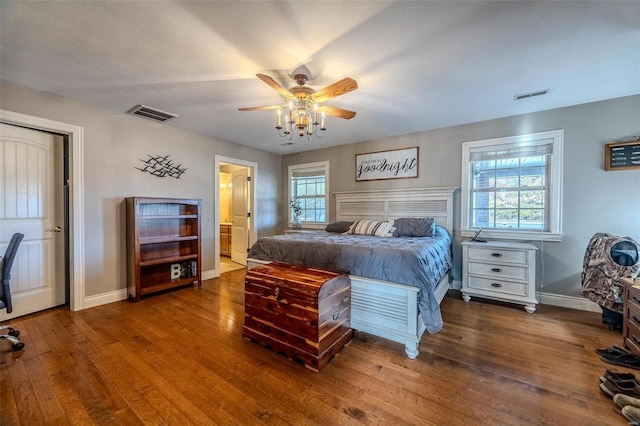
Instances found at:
x=414 y=227
x=339 y=227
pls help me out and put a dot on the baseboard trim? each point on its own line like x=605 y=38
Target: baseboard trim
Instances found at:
x=211 y=273
x=104 y=298
x=118 y=295
x=571 y=302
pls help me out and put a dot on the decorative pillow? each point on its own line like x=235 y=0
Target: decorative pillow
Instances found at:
x=340 y=226
x=414 y=227
x=371 y=227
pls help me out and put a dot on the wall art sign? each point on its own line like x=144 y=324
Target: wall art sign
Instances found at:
x=162 y=166
x=392 y=164
x=622 y=155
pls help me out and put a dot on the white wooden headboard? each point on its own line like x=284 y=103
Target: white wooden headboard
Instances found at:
x=390 y=204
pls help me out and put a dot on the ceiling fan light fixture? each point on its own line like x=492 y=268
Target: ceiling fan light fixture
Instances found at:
x=302 y=105
x=302 y=118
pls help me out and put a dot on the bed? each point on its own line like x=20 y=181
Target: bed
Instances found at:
x=399 y=305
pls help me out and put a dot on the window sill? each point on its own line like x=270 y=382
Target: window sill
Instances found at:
x=491 y=234
x=310 y=226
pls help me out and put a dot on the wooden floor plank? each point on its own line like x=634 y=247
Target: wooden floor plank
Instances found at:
x=8 y=409
x=26 y=401
x=179 y=358
x=52 y=411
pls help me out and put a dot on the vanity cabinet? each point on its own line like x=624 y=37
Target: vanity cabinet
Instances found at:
x=225 y=240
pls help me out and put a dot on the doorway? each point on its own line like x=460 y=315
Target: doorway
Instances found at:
x=74 y=135
x=33 y=202
x=234 y=213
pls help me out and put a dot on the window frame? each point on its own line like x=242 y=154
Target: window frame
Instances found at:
x=554 y=233
x=309 y=166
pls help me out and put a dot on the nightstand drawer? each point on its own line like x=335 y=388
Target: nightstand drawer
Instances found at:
x=498 y=271
x=497 y=286
x=498 y=255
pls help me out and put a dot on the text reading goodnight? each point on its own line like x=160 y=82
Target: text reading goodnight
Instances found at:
x=388 y=167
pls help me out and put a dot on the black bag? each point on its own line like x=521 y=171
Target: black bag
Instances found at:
x=611 y=319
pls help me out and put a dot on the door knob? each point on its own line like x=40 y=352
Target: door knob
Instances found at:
x=55 y=229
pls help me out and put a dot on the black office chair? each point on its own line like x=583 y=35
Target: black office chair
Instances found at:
x=5 y=290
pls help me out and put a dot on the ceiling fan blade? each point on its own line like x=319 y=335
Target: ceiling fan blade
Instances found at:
x=337 y=112
x=260 y=108
x=271 y=82
x=338 y=88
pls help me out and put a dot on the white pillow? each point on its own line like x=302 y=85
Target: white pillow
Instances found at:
x=371 y=227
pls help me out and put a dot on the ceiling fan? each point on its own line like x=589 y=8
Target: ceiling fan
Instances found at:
x=303 y=104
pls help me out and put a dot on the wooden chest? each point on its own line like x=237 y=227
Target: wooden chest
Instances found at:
x=300 y=312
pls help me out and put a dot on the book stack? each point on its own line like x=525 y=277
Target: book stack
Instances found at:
x=189 y=269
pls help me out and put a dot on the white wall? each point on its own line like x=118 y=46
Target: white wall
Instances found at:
x=594 y=200
x=113 y=144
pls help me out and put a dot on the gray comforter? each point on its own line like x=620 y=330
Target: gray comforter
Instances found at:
x=416 y=261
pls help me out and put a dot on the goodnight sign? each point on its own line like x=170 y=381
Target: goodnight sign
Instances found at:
x=394 y=164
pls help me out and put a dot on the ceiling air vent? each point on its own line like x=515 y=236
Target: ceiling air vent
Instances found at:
x=151 y=113
x=530 y=95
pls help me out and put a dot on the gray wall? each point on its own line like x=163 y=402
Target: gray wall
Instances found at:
x=113 y=143
x=594 y=200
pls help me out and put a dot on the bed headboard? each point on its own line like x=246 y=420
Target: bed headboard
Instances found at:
x=390 y=204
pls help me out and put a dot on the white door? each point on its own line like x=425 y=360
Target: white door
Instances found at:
x=31 y=202
x=239 y=219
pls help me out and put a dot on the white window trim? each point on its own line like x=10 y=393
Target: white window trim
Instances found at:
x=319 y=164
x=555 y=188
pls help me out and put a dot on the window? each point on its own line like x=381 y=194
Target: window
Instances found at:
x=308 y=184
x=512 y=187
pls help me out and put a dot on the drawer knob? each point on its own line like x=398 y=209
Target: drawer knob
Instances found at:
x=276 y=293
x=496 y=285
x=636 y=320
x=496 y=254
x=635 y=299
x=336 y=316
x=496 y=270
x=635 y=340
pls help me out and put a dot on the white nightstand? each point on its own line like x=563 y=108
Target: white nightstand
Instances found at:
x=500 y=270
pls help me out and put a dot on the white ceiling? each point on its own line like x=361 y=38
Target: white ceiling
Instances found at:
x=419 y=64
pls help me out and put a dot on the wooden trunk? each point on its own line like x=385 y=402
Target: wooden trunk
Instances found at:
x=300 y=312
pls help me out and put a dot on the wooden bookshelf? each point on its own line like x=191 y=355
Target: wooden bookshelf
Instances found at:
x=163 y=244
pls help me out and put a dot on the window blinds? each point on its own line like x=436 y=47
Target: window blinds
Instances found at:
x=532 y=149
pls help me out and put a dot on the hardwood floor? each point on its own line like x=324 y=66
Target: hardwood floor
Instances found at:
x=228 y=265
x=179 y=358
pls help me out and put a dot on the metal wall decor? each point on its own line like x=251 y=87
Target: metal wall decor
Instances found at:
x=162 y=166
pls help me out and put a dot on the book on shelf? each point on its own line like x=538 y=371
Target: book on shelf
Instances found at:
x=189 y=269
